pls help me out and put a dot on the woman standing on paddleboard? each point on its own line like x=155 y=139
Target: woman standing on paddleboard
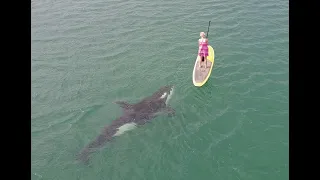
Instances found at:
x=203 y=49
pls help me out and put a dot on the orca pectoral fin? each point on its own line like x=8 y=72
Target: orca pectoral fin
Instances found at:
x=140 y=123
x=126 y=106
x=169 y=111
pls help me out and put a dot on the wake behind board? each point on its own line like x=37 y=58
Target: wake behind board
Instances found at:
x=201 y=75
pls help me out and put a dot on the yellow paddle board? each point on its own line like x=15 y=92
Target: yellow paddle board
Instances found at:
x=201 y=75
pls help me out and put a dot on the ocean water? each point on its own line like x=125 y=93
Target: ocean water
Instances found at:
x=87 y=54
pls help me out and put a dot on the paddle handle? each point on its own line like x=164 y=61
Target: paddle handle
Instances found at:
x=208 y=29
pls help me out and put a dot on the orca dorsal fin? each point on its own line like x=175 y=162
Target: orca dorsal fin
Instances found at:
x=124 y=105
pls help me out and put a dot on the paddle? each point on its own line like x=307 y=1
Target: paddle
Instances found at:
x=208 y=30
x=208 y=34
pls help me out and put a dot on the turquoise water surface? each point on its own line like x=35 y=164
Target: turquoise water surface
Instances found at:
x=87 y=54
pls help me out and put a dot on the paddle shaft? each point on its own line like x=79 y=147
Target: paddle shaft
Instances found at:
x=208 y=30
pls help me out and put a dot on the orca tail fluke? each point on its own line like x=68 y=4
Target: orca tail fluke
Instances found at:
x=92 y=147
x=83 y=156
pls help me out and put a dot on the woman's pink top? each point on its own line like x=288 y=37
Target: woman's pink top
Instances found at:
x=203 y=48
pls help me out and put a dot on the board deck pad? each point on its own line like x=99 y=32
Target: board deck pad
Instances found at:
x=201 y=73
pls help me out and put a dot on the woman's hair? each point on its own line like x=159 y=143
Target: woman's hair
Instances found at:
x=202 y=34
